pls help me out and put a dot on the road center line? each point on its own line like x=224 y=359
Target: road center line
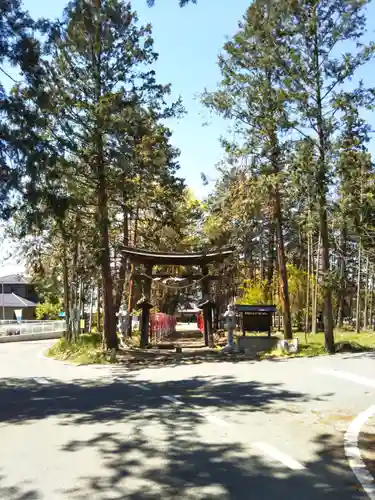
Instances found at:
x=358 y=379
x=353 y=453
x=279 y=456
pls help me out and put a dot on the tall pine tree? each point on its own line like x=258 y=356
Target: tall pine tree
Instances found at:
x=251 y=96
x=313 y=75
x=99 y=79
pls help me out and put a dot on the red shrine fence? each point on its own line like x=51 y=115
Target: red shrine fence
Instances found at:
x=200 y=322
x=162 y=325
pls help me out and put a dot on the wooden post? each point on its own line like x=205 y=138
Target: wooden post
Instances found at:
x=98 y=315
x=145 y=327
x=270 y=324
x=130 y=301
x=207 y=310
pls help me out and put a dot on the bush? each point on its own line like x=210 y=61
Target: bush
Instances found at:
x=86 y=349
x=47 y=311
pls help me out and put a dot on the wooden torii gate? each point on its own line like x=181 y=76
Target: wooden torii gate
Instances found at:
x=198 y=259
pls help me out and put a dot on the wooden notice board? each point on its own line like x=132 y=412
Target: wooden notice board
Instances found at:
x=255 y=318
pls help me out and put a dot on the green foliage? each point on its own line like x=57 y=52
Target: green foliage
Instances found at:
x=253 y=292
x=252 y=97
x=258 y=292
x=86 y=349
x=109 y=170
x=298 y=281
x=20 y=141
x=47 y=311
x=181 y=3
x=314 y=345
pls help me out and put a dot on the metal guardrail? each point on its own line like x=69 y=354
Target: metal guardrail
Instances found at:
x=13 y=328
x=23 y=321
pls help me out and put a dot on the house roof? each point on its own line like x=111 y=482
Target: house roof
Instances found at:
x=15 y=301
x=13 y=279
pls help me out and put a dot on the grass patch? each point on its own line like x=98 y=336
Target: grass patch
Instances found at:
x=86 y=349
x=313 y=345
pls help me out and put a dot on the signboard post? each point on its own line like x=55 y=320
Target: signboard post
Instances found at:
x=256 y=318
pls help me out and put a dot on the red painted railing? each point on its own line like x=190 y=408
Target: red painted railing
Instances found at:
x=200 y=322
x=162 y=325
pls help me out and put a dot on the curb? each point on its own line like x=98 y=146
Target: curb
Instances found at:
x=42 y=355
x=353 y=453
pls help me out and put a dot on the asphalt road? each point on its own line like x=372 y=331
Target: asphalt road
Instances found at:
x=251 y=430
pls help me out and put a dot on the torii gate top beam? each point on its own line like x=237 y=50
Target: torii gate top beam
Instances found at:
x=175 y=258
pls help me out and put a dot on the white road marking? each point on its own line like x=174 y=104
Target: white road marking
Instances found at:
x=41 y=380
x=353 y=453
x=173 y=400
x=138 y=386
x=279 y=456
x=144 y=387
x=211 y=418
x=352 y=377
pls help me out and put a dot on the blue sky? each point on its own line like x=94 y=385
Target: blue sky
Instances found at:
x=188 y=41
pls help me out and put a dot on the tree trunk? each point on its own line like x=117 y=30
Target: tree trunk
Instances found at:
x=307 y=313
x=327 y=291
x=371 y=297
x=270 y=263
x=322 y=196
x=74 y=289
x=68 y=331
x=284 y=292
x=124 y=261
x=109 y=322
x=288 y=334
x=261 y=264
x=80 y=305
x=131 y=276
x=358 y=303
x=91 y=308
x=342 y=264
x=314 y=309
x=98 y=313
x=359 y=275
x=365 y=310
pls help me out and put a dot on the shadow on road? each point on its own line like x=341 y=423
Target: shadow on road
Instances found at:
x=19 y=492
x=163 y=454
x=154 y=358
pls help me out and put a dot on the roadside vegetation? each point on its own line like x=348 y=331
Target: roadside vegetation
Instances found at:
x=314 y=345
x=87 y=349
